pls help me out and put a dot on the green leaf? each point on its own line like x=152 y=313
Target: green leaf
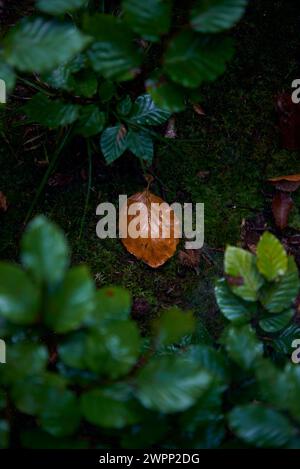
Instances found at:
x=72 y=303
x=276 y=322
x=242 y=345
x=211 y=360
x=41 y=238
x=165 y=94
x=272 y=259
x=30 y=395
x=85 y=83
x=111 y=304
x=278 y=296
x=140 y=143
x=283 y=343
x=8 y=75
x=107 y=90
x=91 y=121
x=114 y=349
x=173 y=325
x=50 y=113
x=19 y=297
x=241 y=265
x=24 y=359
x=234 y=308
x=61 y=413
x=114 y=141
x=192 y=59
x=111 y=407
x=113 y=52
x=59 y=7
x=145 y=112
x=212 y=16
x=124 y=107
x=62 y=77
x=260 y=426
x=72 y=350
x=4 y=434
x=38 y=45
x=152 y=20
x=171 y=384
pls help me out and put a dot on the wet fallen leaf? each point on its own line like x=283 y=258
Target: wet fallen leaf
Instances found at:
x=282 y=204
x=3 y=202
x=289 y=121
x=289 y=183
x=199 y=109
x=157 y=228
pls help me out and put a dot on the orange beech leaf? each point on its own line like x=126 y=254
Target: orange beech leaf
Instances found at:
x=289 y=183
x=282 y=204
x=157 y=228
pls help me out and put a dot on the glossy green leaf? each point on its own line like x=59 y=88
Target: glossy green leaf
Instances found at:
x=272 y=259
x=114 y=349
x=278 y=296
x=58 y=7
x=72 y=350
x=173 y=325
x=61 y=413
x=241 y=264
x=24 y=359
x=192 y=59
x=124 y=107
x=111 y=407
x=165 y=94
x=152 y=20
x=19 y=297
x=145 y=112
x=261 y=426
x=91 y=121
x=31 y=394
x=51 y=113
x=233 y=307
x=38 y=45
x=211 y=360
x=113 y=52
x=114 y=141
x=72 y=303
x=140 y=143
x=242 y=345
x=41 y=238
x=276 y=322
x=283 y=343
x=213 y=16
x=171 y=384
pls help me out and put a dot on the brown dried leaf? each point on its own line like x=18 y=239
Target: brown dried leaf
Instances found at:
x=3 y=202
x=289 y=183
x=190 y=258
x=199 y=109
x=282 y=204
x=150 y=246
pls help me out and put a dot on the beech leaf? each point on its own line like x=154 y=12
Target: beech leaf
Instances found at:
x=157 y=228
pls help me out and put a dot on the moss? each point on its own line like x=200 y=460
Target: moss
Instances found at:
x=237 y=141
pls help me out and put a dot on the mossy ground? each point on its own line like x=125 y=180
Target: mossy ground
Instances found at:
x=237 y=142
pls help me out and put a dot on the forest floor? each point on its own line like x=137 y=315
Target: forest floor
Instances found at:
x=235 y=145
